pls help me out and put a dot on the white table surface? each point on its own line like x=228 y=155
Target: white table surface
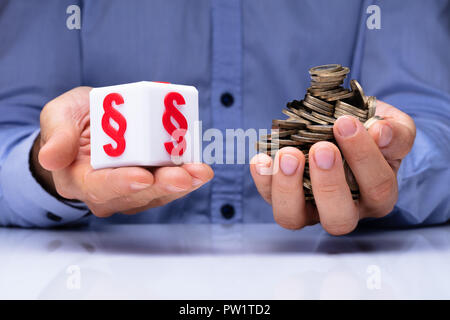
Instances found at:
x=223 y=262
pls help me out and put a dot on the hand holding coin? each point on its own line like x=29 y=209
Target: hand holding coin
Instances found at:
x=374 y=156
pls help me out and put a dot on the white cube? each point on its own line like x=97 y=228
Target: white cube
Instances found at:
x=144 y=124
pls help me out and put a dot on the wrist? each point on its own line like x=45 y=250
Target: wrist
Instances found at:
x=42 y=176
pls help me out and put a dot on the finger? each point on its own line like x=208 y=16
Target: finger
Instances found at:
x=201 y=173
x=104 y=185
x=261 y=171
x=158 y=202
x=170 y=180
x=62 y=121
x=395 y=138
x=376 y=179
x=337 y=210
x=167 y=181
x=288 y=200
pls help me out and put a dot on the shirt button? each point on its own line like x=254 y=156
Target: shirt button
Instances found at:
x=227 y=99
x=227 y=211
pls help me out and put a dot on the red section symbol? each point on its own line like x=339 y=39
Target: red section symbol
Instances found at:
x=179 y=132
x=115 y=134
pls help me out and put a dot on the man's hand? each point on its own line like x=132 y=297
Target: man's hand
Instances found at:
x=374 y=157
x=62 y=165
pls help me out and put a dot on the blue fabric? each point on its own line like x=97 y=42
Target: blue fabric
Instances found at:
x=257 y=50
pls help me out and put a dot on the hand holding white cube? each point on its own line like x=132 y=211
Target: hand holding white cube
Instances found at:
x=144 y=124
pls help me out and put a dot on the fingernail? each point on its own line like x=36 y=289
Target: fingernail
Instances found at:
x=262 y=168
x=288 y=164
x=346 y=126
x=171 y=188
x=196 y=182
x=385 y=135
x=324 y=157
x=139 y=186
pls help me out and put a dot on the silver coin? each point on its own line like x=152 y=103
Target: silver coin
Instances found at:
x=346 y=106
x=371 y=106
x=359 y=93
x=309 y=134
x=305 y=139
x=323 y=117
x=317 y=101
x=326 y=68
x=310 y=117
x=340 y=96
x=317 y=109
x=320 y=128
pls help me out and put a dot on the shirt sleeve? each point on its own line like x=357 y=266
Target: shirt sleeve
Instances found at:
x=40 y=59
x=25 y=203
x=406 y=64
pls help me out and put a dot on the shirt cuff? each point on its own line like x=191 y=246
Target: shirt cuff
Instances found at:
x=26 y=197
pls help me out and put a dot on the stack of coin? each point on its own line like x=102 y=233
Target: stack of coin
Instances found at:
x=311 y=120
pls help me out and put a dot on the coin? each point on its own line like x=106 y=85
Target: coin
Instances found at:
x=309 y=98
x=343 y=72
x=307 y=184
x=342 y=95
x=371 y=121
x=306 y=133
x=321 y=84
x=360 y=97
x=290 y=113
x=266 y=145
x=330 y=93
x=338 y=114
x=328 y=78
x=289 y=123
x=326 y=68
x=277 y=134
x=349 y=177
x=371 y=106
x=320 y=128
x=349 y=108
x=285 y=142
x=311 y=120
x=317 y=109
x=310 y=117
x=305 y=139
x=323 y=117
x=324 y=91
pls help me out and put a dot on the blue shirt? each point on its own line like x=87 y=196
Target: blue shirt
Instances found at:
x=259 y=51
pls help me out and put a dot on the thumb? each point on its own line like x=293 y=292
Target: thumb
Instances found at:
x=62 y=122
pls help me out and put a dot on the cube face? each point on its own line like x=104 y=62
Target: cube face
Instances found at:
x=128 y=126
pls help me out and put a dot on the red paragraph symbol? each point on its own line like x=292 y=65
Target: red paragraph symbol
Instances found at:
x=115 y=134
x=179 y=132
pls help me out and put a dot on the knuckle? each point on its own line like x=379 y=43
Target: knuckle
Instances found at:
x=63 y=191
x=283 y=187
x=94 y=199
x=133 y=202
x=360 y=155
x=382 y=191
x=328 y=188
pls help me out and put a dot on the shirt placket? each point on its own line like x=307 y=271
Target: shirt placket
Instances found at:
x=226 y=98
